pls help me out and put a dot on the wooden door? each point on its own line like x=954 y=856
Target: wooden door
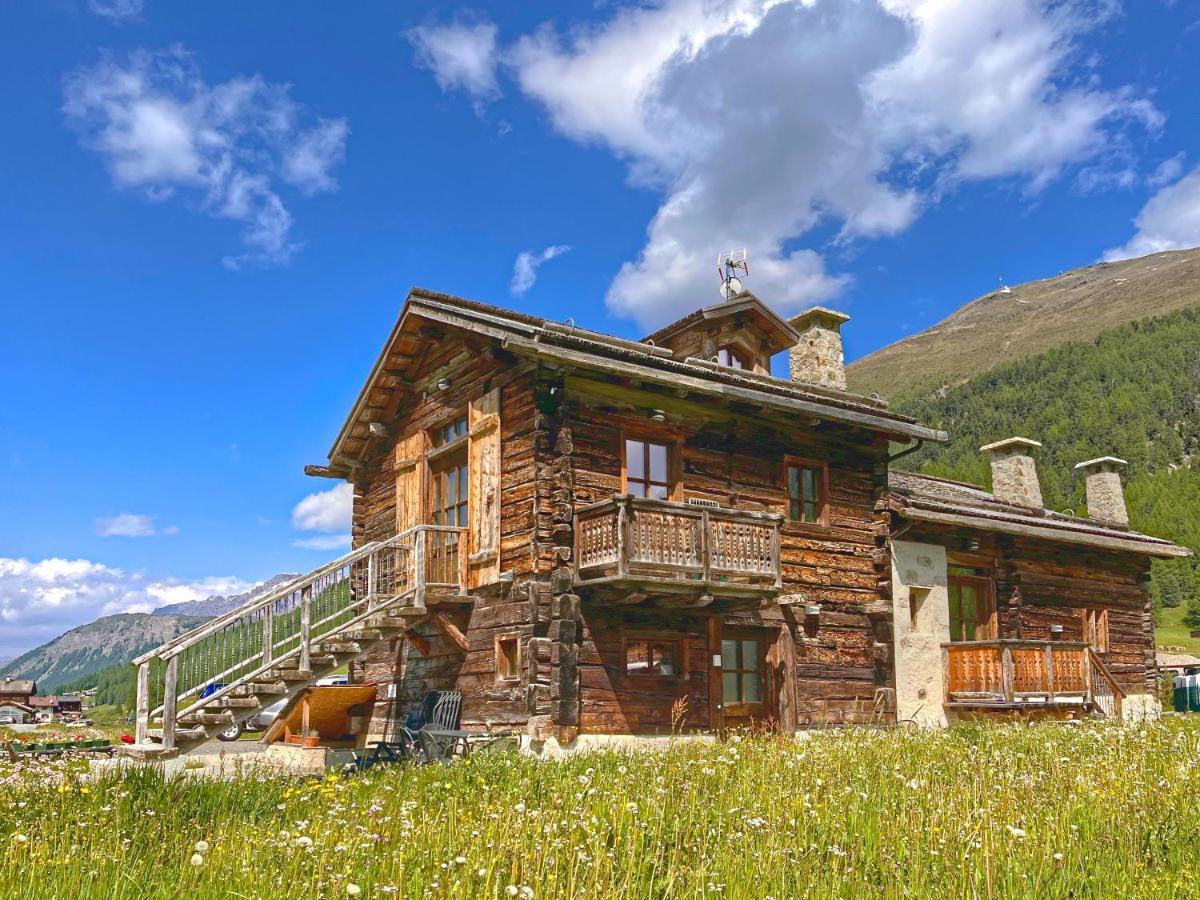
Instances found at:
x=748 y=692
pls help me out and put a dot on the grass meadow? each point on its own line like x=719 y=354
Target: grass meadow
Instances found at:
x=1098 y=810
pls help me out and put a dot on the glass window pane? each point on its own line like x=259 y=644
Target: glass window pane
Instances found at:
x=809 y=484
x=750 y=655
x=793 y=474
x=795 y=510
x=729 y=683
x=751 y=692
x=729 y=654
x=635 y=459
x=658 y=462
x=970 y=612
x=658 y=491
x=811 y=511
x=637 y=488
x=635 y=657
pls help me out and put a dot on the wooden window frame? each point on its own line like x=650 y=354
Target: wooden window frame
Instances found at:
x=674 y=444
x=823 y=499
x=1095 y=627
x=515 y=637
x=736 y=351
x=986 y=591
x=434 y=455
x=679 y=640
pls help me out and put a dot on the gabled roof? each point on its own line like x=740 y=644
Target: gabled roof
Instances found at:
x=780 y=333
x=17 y=686
x=43 y=701
x=13 y=704
x=945 y=502
x=546 y=341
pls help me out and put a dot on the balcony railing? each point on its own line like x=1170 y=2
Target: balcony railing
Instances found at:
x=661 y=542
x=1011 y=673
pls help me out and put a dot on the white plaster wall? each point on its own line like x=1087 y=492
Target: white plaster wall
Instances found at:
x=919 y=570
x=1140 y=708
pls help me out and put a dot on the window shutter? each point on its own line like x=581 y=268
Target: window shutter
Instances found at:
x=483 y=478
x=408 y=468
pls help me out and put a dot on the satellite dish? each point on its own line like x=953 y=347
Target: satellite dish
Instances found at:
x=731 y=287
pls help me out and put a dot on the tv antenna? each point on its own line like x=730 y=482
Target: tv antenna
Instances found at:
x=728 y=264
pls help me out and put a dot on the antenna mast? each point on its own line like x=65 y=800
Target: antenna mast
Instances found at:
x=727 y=265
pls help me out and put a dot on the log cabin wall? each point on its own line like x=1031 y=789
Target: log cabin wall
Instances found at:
x=433 y=660
x=737 y=459
x=1042 y=583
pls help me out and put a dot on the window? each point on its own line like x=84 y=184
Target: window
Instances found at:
x=1095 y=628
x=806 y=492
x=741 y=670
x=727 y=356
x=508 y=658
x=972 y=617
x=447 y=506
x=449 y=433
x=653 y=656
x=647 y=469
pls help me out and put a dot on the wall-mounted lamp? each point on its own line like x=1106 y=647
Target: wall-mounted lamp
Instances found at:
x=812 y=610
x=812 y=619
x=1056 y=632
x=657 y=415
x=378 y=429
x=443 y=383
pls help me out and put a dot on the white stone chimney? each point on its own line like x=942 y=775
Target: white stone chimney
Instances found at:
x=1105 y=496
x=1014 y=473
x=817 y=358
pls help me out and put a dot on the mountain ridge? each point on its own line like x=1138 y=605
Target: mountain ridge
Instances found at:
x=1022 y=321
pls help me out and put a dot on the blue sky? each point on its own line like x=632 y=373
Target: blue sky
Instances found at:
x=212 y=212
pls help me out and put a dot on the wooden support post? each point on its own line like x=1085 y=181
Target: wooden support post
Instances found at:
x=622 y=537
x=419 y=568
x=304 y=716
x=1049 y=653
x=268 y=634
x=419 y=643
x=1006 y=673
x=142 y=728
x=170 y=683
x=305 y=628
x=705 y=548
x=372 y=578
x=463 y=561
x=947 y=690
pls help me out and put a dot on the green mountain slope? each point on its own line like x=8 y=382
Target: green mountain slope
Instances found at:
x=1029 y=319
x=1133 y=391
x=92 y=647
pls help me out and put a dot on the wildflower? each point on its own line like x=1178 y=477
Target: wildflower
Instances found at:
x=353 y=890
x=459 y=860
x=20 y=838
x=197 y=859
x=303 y=841
x=1058 y=857
x=1018 y=833
x=201 y=846
x=511 y=890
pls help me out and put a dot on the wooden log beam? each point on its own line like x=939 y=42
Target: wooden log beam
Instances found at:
x=451 y=631
x=339 y=472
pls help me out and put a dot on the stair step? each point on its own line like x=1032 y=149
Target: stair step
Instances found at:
x=181 y=735
x=315 y=661
x=207 y=718
x=389 y=623
x=261 y=687
x=238 y=702
x=347 y=648
x=364 y=634
x=289 y=675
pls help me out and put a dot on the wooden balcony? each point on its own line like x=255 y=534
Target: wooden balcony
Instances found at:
x=649 y=548
x=1012 y=674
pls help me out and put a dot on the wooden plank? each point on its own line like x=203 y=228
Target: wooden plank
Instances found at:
x=451 y=631
x=170 y=686
x=141 y=729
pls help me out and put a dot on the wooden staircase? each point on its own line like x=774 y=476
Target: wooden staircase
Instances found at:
x=199 y=684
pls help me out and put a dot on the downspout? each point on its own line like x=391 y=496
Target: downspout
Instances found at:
x=906 y=451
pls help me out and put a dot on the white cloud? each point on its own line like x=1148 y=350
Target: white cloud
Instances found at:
x=130 y=525
x=41 y=599
x=526 y=267
x=461 y=55
x=164 y=130
x=324 y=542
x=118 y=11
x=1170 y=220
x=317 y=151
x=760 y=120
x=326 y=511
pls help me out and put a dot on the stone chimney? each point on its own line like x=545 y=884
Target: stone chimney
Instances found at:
x=1014 y=473
x=1105 y=496
x=817 y=358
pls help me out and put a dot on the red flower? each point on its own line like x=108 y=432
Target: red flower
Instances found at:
x=127 y=739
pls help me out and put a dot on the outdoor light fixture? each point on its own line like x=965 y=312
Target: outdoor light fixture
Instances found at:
x=378 y=429
x=657 y=415
x=443 y=383
x=1056 y=629
x=812 y=610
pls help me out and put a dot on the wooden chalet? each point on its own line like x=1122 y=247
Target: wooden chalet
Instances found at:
x=590 y=535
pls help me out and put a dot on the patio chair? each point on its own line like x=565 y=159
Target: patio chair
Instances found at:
x=438 y=709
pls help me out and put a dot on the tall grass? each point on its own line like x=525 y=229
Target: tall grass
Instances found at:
x=1014 y=811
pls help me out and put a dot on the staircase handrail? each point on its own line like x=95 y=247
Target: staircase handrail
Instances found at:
x=1098 y=664
x=178 y=644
